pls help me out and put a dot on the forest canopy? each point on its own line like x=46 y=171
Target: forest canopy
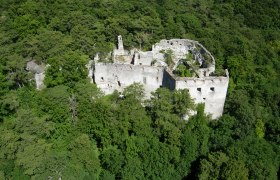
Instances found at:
x=71 y=130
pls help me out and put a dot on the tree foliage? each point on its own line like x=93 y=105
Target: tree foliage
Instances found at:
x=70 y=130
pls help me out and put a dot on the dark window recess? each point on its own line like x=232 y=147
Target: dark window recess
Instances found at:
x=204 y=98
x=212 y=89
x=199 y=89
x=157 y=78
x=144 y=80
x=140 y=63
x=119 y=83
x=102 y=78
x=93 y=78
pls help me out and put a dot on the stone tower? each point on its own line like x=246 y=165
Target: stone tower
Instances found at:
x=120 y=43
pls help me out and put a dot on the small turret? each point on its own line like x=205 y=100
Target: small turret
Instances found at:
x=120 y=43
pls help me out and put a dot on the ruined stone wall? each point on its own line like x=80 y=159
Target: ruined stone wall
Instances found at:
x=179 y=47
x=143 y=58
x=39 y=73
x=209 y=90
x=39 y=79
x=110 y=77
x=122 y=59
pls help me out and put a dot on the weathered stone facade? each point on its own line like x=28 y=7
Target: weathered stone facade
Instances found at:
x=110 y=77
x=209 y=90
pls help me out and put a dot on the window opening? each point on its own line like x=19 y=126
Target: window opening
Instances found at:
x=144 y=80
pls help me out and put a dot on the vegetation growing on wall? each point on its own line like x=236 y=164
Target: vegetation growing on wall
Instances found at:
x=183 y=70
x=168 y=55
x=71 y=130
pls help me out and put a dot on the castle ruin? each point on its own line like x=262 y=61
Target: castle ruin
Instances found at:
x=174 y=64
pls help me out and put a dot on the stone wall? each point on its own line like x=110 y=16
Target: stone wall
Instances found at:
x=143 y=58
x=180 y=47
x=39 y=73
x=110 y=77
x=39 y=79
x=209 y=90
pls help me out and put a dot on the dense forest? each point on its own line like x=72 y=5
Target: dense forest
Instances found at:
x=70 y=130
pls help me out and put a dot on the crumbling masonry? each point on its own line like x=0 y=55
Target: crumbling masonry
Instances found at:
x=153 y=70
